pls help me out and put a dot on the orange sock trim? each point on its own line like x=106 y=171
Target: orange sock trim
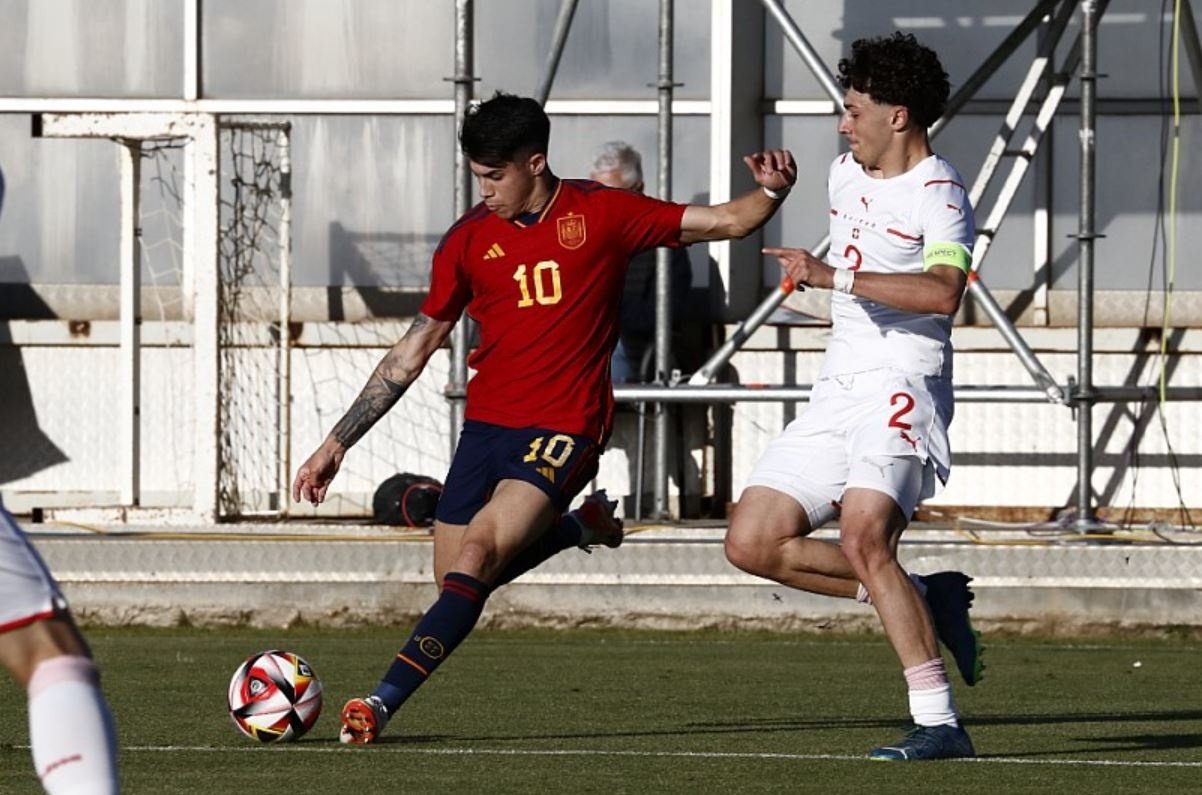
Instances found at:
x=419 y=668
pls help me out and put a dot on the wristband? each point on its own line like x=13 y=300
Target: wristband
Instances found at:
x=775 y=195
x=844 y=279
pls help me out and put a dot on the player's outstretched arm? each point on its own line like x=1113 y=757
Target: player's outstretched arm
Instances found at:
x=774 y=172
x=399 y=368
x=936 y=291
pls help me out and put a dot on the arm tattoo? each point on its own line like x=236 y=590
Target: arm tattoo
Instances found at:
x=380 y=395
x=419 y=322
x=373 y=402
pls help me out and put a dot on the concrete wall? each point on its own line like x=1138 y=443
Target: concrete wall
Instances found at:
x=58 y=415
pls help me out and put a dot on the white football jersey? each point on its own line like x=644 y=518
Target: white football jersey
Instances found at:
x=882 y=226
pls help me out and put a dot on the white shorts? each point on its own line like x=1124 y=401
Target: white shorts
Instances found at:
x=882 y=429
x=28 y=592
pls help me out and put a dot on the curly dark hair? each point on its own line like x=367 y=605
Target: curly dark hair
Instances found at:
x=504 y=129
x=897 y=70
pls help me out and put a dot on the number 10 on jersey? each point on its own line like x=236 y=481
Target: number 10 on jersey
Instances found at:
x=546 y=287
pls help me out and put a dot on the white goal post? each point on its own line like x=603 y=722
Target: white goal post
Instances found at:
x=234 y=283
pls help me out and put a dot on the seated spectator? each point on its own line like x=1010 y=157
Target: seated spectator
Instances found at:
x=618 y=165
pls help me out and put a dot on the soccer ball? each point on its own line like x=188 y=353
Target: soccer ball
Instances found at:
x=274 y=696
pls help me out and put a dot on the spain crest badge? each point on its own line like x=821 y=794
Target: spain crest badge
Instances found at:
x=571 y=230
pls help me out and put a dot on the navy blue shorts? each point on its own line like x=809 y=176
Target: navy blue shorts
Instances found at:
x=560 y=464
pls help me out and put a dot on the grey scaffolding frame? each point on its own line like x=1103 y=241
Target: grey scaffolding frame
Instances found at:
x=1079 y=395
x=1044 y=79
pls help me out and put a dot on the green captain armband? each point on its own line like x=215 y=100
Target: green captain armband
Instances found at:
x=954 y=254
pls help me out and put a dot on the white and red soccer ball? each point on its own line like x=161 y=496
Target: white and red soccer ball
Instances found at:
x=274 y=696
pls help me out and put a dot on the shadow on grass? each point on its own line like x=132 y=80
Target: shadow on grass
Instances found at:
x=1147 y=716
x=1140 y=742
x=1147 y=742
x=690 y=729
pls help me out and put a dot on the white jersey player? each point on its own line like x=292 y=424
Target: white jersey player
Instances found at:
x=70 y=727
x=873 y=441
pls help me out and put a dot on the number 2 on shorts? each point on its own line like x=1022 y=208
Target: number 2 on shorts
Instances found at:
x=907 y=406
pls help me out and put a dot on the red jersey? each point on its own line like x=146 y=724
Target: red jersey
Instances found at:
x=546 y=297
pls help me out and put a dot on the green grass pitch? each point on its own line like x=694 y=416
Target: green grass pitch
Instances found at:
x=608 y=711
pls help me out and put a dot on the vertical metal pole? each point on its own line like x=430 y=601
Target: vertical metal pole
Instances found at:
x=663 y=303
x=131 y=323
x=563 y=24
x=463 y=195
x=191 y=92
x=192 y=51
x=1085 y=244
x=284 y=433
x=202 y=171
x=1041 y=233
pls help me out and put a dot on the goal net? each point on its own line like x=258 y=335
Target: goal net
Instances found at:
x=205 y=309
x=229 y=394
x=253 y=322
x=253 y=312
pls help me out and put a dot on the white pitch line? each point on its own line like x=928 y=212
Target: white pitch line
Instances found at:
x=391 y=748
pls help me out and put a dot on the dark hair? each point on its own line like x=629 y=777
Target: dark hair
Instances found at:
x=897 y=70
x=504 y=129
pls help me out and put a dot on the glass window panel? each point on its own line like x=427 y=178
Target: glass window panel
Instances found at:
x=320 y=49
x=372 y=197
x=612 y=50
x=91 y=48
x=1128 y=172
x=962 y=35
x=60 y=220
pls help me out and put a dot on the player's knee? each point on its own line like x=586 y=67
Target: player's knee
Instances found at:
x=753 y=543
x=477 y=557
x=743 y=552
x=866 y=551
x=743 y=545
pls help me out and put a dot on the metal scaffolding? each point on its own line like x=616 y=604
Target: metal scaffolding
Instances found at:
x=1043 y=77
x=1035 y=104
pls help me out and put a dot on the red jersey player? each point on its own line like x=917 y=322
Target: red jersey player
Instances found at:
x=540 y=265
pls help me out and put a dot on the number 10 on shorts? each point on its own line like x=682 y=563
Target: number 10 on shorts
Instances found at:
x=557 y=450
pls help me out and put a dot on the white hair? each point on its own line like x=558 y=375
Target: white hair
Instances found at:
x=623 y=158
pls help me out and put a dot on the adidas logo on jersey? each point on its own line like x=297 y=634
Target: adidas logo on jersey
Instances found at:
x=495 y=251
x=548 y=473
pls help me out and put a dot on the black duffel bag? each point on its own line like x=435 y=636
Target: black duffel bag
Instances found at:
x=407 y=500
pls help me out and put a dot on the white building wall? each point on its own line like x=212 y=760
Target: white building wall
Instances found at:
x=1004 y=454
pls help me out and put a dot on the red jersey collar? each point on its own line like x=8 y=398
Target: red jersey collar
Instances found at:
x=532 y=218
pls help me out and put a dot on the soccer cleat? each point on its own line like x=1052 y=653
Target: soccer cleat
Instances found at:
x=927 y=742
x=598 y=526
x=949 y=599
x=362 y=720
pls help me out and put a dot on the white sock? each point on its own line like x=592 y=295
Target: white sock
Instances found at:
x=933 y=707
x=70 y=728
x=931 y=694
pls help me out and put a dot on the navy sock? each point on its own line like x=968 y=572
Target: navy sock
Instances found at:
x=565 y=534
x=440 y=631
